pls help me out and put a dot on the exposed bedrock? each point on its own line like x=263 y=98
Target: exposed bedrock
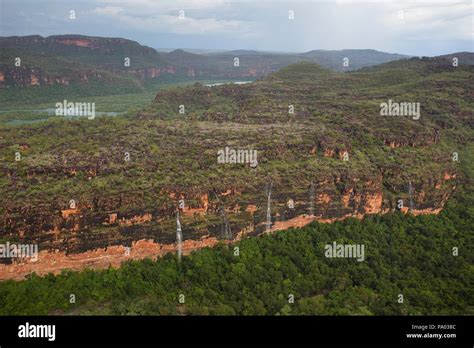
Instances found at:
x=105 y=220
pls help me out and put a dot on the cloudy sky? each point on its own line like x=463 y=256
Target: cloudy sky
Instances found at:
x=413 y=27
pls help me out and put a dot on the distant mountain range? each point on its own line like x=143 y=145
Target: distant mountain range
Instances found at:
x=102 y=63
x=66 y=59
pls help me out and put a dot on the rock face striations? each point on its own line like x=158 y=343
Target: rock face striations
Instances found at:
x=97 y=187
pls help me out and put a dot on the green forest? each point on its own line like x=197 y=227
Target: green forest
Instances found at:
x=282 y=274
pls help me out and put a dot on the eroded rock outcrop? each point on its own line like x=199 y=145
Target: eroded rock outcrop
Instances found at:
x=95 y=233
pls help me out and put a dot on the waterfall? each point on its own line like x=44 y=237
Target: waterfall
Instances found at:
x=311 y=199
x=179 y=236
x=269 y=210
x=410 y=193
x=226 y=231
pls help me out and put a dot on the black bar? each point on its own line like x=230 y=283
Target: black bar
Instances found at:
x=241 y=330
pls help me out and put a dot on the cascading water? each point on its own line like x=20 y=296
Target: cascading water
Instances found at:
x=410 y=193
x=226 y=231
x=311 y=199
x=269 y=210
x=179 y=236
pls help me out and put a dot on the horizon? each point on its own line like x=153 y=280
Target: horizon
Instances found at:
x=420 y=28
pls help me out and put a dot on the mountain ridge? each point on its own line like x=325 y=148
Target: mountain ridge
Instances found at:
x=74 y=58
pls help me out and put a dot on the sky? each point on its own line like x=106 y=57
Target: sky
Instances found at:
x=416 y=27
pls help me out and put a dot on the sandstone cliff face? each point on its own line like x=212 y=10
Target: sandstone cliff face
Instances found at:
x=54 y=262
x=30 y=76
x=151 y=73
x=100 y=221
x=97 y=235
x=26 y=76
x=77 y=42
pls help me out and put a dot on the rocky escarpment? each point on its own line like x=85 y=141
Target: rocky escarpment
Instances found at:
x=102 y=232
x=26 y=76
x=81 y=185
x=103 y=220
x=30 y=76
